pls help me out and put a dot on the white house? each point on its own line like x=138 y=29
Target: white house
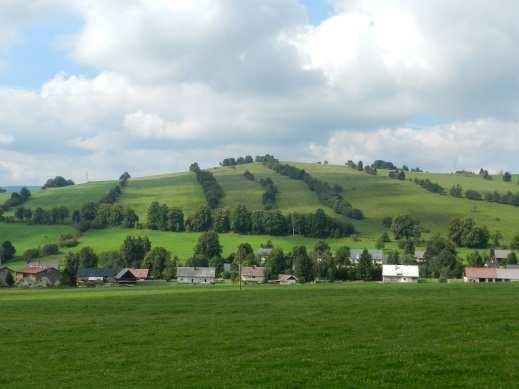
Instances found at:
x=400 y=273
x=196 y=275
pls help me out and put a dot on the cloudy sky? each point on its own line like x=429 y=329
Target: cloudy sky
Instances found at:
x=149 y=86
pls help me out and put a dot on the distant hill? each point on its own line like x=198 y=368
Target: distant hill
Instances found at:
x=17 y=188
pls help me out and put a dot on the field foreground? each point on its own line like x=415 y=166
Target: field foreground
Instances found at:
x=342 y=335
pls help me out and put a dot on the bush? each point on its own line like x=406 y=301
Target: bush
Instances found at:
x=31 y=254
x=49 y=249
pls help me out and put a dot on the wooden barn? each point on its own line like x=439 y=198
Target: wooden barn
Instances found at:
x=125 y=277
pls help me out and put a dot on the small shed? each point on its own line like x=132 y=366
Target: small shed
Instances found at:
x=253 y=274
x=6 y=277
x=286 y=279
x=196 y=275
x=125 y=277
x=400 y=273
x=93 y=276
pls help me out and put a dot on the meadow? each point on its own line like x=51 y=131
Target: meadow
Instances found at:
x=325 y=335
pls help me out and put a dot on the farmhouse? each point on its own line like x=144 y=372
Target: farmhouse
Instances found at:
x=196 y=275
x=140 y=274
x=491 y=274
x=253 y=274
x=400 y=273
x=125 y=277
x=286 y=279
x=501 y=255
x=93 y=276
x=6 y=277
x=376 y=255
x=41 y=275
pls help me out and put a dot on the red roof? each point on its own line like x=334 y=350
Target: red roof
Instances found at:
x=253 y=271
x=480 y=272
x=141 y=274
x=34 y=269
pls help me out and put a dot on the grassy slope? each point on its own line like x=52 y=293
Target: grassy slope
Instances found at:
x=355 y=335
x=73 y=197
x=470 y=182
x=176 y=190
x=237 y=189
x=380 y=196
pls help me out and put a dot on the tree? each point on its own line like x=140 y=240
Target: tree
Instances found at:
x=507 y=177
x=496 y=239
x=511 y=259
x=170 y=269
x=245 y=255
x=25 y=193
x=156 y=261
x=319 y=226
x=208 y=245
x=7 y=251
x=365 y=267
x=515 y=242
x=201 y=220
x=387 y=222
x=304 y=267
x=441 y=259
x=176 y=220
x=275 y=264
x=393 y=258
x=406 y=227
x=241 y=220
x=87 y=258
x=475 y=259
x=456 y=191
x=131 y=219
x=112 y=260
x=342 y=256
x=134 y=249
x=465 y=233
x=222 y=220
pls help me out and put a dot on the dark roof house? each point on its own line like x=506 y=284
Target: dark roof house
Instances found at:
x=125 y=276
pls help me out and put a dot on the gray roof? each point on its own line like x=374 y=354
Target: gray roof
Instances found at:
x=376 y=255
x=502 y=254
x=419 y=254
x=196 y=272
x=264 y=251
x=95 y=272
x=508 y=273
x=123 y=272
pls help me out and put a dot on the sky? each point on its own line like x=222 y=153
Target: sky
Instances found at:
x=148 y=87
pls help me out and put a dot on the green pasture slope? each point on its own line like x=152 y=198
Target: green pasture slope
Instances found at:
x=72 y=197
x=342 y=335
x=176 y=190
x=380 y=196
x=25 y=237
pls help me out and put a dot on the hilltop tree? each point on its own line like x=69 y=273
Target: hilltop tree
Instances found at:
x=507 y=177
x=406 y=227
x=456 y=191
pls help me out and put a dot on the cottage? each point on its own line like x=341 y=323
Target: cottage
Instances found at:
x=125 y=277
x=400 y=273
x=140 y=274
x=6 y=277
x=196 y=275
x=38 y=275
x=94 y=276
x=286 y=279
x=491 y=274
x=253 y=274
x=376 y=255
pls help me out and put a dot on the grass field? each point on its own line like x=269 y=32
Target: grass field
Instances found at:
x=176 y=190
x=343 y=335
x=72 y=197
x=25 y=237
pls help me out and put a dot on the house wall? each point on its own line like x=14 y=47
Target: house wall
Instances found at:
x=399 y=279
x=195 y=280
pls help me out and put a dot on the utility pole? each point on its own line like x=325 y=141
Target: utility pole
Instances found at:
x=239 y=271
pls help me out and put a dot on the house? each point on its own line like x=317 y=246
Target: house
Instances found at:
x=125 y=277
x=38 y=275
x=253 y=274
x=196 y=275
x=140 y=274
x=419 y=255
x=400 y=273
x=501 y=255
x=286 y=279
x=491 y=274
x=94 y=276
x=263 y=253
x=6 y=277
x=376 y=255
x=227 y=267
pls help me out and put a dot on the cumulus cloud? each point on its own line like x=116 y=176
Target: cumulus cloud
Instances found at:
x=184 y=80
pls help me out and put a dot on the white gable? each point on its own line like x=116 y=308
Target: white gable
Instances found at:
x=400 y=271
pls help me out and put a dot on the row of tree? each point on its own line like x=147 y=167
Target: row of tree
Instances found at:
x=430 y=186
x=101 y=215
x=237 y=161
x=57 y=182
x=269 y=196
x=329 y=195
x=16 y=199
x=508 y=198
x=397 y=175
x=212 y=190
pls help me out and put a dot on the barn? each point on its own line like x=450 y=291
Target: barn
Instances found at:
x=196 y=275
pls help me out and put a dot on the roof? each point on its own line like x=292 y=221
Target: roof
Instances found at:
x=200 y=272
x=125 y=272
x=502 y=254
x=141 y=274
x=508 y=273
x=400 y=271
x=480 y=272
x=35 y=269
x=419 y=254
x=287 y=277
x=377 y=255
x=88 y=272
x=253 y=271
x=264 y=251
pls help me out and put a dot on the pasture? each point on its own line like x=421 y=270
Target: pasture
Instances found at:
x=328 y=335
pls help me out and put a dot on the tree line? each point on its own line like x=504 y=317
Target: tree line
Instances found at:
x=237 y=161
x=57 y=182
x=212 y=190
x=244 y=221
x=16 y=199
x=430 y=186
x=329 y=195
x=508 y=198
x=269 y=196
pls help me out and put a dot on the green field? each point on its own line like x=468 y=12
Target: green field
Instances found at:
x=72 y=197
x=176 y=190
x=25 y=237
x=342 y=335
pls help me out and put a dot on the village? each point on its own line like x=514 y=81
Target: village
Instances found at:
x=37 y=274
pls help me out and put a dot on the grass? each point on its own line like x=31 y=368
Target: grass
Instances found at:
x=237 y=189
x=344 y=335
x=72 y=197
x=176 y=190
